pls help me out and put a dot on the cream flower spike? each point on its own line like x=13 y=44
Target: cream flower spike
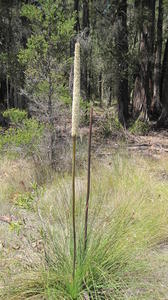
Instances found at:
x=76 y=91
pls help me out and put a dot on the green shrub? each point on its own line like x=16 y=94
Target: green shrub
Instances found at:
x=110 y=124
x=16 y=226
x=139 y=127
x=24 y=133
x=15 y=115
x=27 y=200
x=65 y=96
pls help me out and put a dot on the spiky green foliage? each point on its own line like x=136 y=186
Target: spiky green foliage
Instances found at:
x=15 y=115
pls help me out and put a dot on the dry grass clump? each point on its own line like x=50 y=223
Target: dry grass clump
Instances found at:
x=16 y=176
x=128 y=216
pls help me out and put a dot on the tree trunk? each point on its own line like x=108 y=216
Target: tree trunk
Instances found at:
x=51 y=123
x=101 y=89
x=122 y=63
x=7 y=92
x=50 y=117
x=156 y=105
x=143 y=83
x=76 y=26
x=85 y=68
x=110 y=97
x=76 y=10
x=72 y=43
x=164 y=88
x=85 y=21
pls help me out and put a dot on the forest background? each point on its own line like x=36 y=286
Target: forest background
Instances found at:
x=124 y=59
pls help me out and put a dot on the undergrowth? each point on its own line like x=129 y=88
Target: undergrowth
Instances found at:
x=139 y=127
x=127 y=216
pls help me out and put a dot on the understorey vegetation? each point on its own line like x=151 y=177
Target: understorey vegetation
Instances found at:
x=127 y=220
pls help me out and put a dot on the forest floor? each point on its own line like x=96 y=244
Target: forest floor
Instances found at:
x=154 y=144
x=105 y=140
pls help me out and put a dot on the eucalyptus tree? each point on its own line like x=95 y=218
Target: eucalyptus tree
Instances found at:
x=156 y=101
x=164 y=69
x=122 y=61
x=144 y=83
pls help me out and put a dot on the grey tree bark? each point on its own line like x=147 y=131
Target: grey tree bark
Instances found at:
x=122 y=61
x=144 y=84
x=156 y=104
x=164 y=88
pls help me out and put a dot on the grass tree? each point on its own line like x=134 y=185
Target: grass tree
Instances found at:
x=45 y=59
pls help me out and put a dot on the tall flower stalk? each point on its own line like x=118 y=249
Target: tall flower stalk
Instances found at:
x=75 y=123
x=88 y=181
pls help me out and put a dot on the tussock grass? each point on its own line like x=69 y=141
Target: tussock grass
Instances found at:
x=127 y=216
x=16 y=177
